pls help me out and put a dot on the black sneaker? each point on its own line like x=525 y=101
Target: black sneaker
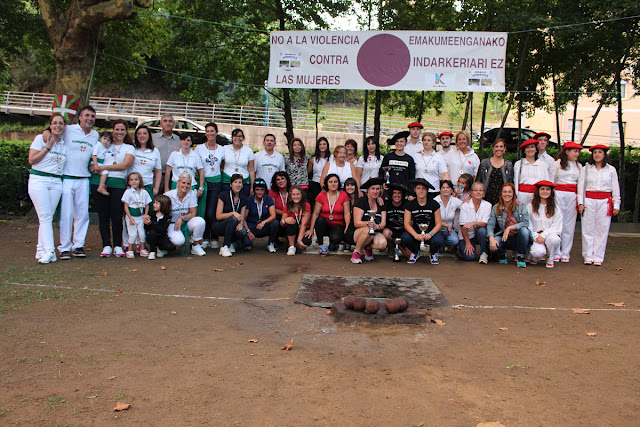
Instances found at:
x=65 y=255
x=79 y=253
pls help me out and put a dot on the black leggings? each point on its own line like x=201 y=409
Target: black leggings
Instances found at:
x=159 y=241
x=335 y=232
x=110 y=212
x=314 y=190
x=213 y=189
x=294 y=229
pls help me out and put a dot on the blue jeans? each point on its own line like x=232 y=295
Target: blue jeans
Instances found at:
x=270 y=230
x=451 y=239
x=479 y=239
x=519 y=242
x=409 y=242
x=227 y=228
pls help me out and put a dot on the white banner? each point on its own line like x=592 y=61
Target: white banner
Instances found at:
x=389 y=60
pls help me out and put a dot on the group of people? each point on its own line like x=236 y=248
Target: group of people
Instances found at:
x=402 y=201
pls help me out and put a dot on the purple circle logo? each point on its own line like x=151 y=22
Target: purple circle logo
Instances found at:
x=383 y=60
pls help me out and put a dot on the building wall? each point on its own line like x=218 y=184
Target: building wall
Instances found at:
x=602 y=131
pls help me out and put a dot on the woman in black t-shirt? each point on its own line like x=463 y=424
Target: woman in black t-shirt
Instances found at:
x=422 y=210
x=230 y=214
x=395 y=218
x=364 y=222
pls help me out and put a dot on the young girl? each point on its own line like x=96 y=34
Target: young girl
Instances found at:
x=566 y=174
x=156 y=226
x=101 y=154
x=351 y=188
x=463 y=189
x=136 y=205
x=545 y=223
x=295 y=219
x=529 y=170
x=598 y=201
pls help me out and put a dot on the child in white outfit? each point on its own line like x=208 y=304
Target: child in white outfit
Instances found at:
x=136 y=204
x=102 y=154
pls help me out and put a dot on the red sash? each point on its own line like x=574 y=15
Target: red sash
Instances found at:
x=602 y=195
x=527 y=188
x=570 y=188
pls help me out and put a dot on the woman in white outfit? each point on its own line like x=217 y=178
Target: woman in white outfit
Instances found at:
x=529 y=170
x=430 y=165
x=368 y=165
x=184 y=204
x=45 y=184
x=598 y=200
x=320 y=158
x=340 y=167
x=545 y=223
x=566 y=174
x=462 y=160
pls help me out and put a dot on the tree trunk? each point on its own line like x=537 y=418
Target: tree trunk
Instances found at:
x=421 y=108
x=575 y=115
x=73 y=33
x=556 y=107
x=621 y=132
x=516 y=82
x=286 y=96
x=636 y=205
x=376 y=115
x=484 y=115
x=593 y=120
x=466 y=112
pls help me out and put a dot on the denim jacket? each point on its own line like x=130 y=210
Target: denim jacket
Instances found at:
x=485 y=169
x=495 y=226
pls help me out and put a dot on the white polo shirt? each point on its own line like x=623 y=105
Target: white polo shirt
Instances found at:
x=178 y=207
x=145 y=163
x=79 y=150
x=53 y=162
x=267 y=165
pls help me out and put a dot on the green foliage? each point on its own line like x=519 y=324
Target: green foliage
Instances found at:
x=13 y=158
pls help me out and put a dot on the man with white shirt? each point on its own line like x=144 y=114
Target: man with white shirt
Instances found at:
x=543 y=140
x=74 y=204
x=268 y=161
x=166 y=142
x=414 y=145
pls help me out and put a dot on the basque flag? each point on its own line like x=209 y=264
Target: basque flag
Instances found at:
x=67 y=106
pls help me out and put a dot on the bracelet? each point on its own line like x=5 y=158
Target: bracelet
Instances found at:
x=48 y=149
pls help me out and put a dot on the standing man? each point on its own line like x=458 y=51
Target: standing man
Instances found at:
x=543 y=140
x=268 y=161
x=445 y=141
x=414 y=145
x=166 y=142
x=74 y=204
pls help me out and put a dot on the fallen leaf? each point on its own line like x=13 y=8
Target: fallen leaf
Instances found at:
x=27 y=241
x=491 y=424
x=291 y=318
x=619 y=269
x=135 y=269
x=105 y=273
x=162 y=267
x=504 y=329
x=616 y=304
x=457 y=308
x=539 y=283
x=252 y=354
x=119 y=291
x=466 y=297
x=218 y=269
x=173 y=312
x=307 y=308
x=92 y=397
x=591 y=334
x=299 y=270
x=239 y=263
x=579 y=311
x=438 y=322
x=288 y=346
x=122 y=406
x=253 y=340
x=328 y=312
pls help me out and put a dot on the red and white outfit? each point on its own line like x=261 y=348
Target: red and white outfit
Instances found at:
x=547 y=228
x=526 y=174
x=599 y=192
x=567 y=201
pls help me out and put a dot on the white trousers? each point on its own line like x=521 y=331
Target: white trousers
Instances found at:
x=196 y=227
x=566 y=202
x=539 y=250
x=74 y=213
x=525 y=198
x=45 y=192
x=595 y=229
x=135 y=232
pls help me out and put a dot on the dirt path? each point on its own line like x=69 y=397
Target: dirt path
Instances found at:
x=70 y=355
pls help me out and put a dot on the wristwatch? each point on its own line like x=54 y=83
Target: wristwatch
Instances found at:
x=201 y=188
x=431 y=233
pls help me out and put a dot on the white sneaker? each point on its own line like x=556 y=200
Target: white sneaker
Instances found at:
x=197 y=250
x=152 y=255
x=161 y=253
x=291 y=251
x=106 y=252
x=118 y=251
x=232 y=248
x=205 y=244
x=214 y=244
x=272 y=248
x=39 y=253
x=225 y=251
x=130 y=254
x=47 y=258
x=484 y=258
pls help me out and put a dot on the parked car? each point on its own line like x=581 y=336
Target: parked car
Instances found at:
x=510 y=135
x=183 y=125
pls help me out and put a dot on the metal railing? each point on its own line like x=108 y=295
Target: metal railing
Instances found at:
x=348 y=121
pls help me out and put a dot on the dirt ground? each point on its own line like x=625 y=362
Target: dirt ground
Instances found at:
x=175 y=343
